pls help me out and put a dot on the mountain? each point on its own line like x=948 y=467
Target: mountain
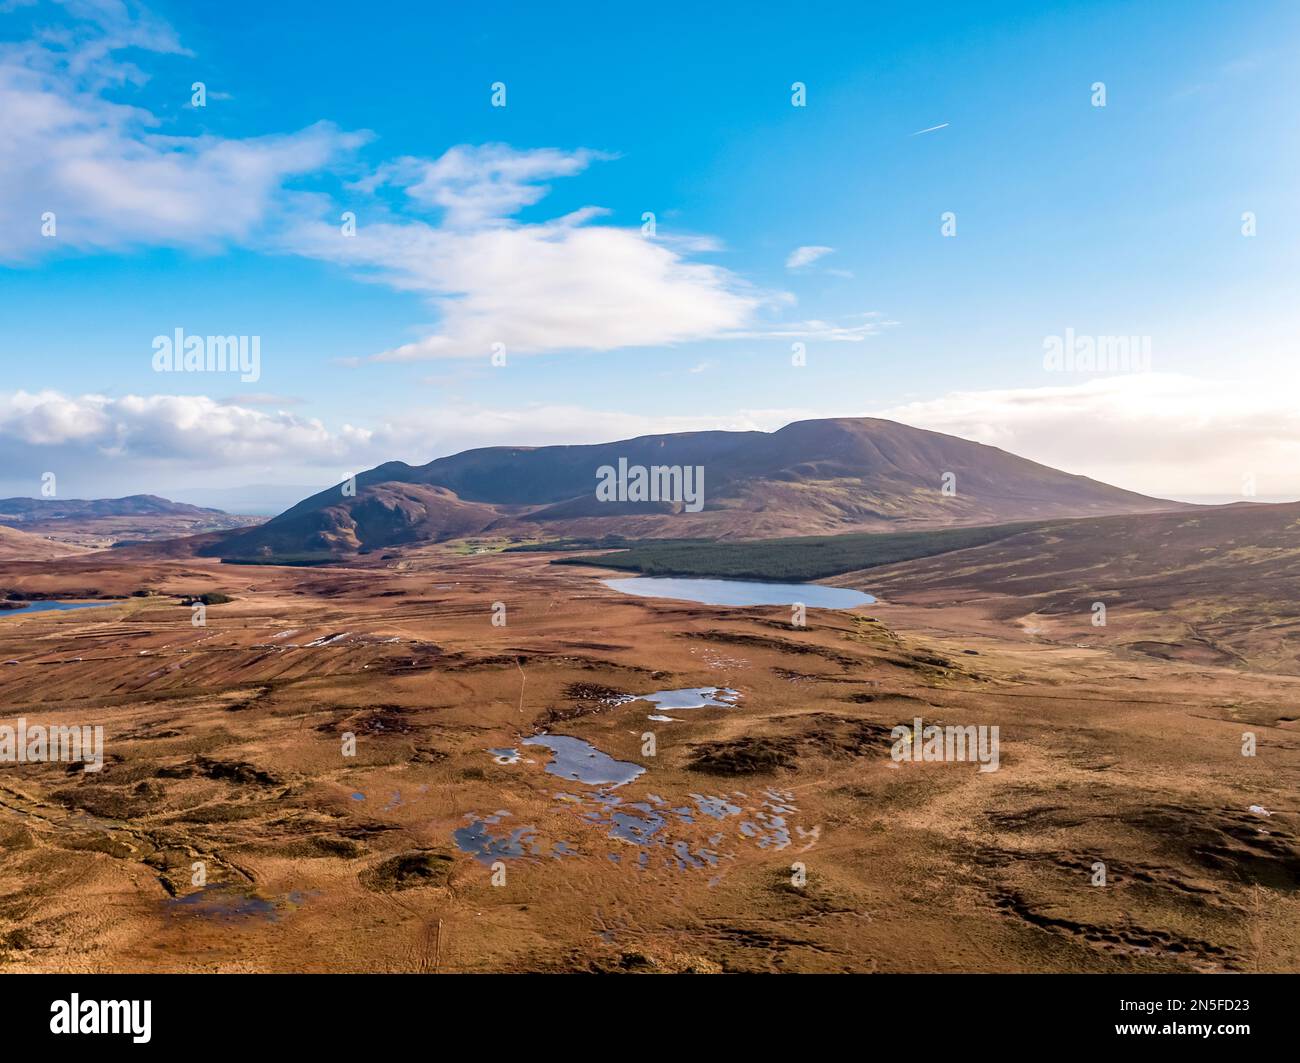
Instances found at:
x=811 y=477
x=15 y=511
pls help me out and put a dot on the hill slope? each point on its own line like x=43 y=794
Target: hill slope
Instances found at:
x=20 y=546
x=811 y=477
x=1216 y=586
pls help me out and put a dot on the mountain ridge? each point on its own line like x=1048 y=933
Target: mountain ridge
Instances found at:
x=809 y=477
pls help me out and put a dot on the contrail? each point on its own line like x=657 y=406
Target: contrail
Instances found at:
x=930 y=130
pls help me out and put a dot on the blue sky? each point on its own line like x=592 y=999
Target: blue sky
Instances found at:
x=475 y=225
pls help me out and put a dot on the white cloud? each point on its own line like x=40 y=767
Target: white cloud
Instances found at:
x=1158 y=433
x=560 y=285
x=183 y=429
x=806 y=256
x=110 y=178
x=476 y=185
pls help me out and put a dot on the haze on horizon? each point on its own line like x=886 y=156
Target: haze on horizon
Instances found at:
x=656 y=239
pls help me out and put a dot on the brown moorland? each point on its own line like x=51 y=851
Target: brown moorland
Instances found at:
x=224 y=764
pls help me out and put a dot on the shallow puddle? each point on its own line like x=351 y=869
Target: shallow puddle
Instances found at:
x=481 y=843
x=225 y=904
x=476 y=839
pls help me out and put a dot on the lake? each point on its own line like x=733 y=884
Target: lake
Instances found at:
x=51 y=607
x=740 y=592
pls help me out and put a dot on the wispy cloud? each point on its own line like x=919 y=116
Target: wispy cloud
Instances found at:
x=806 y=256
x=854 y=328
x=478 y=185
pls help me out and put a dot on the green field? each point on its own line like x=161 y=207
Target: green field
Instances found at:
x=798 y=559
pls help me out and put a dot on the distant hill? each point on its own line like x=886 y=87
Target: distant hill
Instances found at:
x=811 y=477
x=15 y=511
x=100 y=523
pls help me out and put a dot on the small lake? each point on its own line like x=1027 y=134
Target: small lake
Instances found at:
x=740 y=592
x=52 y=607
x=572 y=758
